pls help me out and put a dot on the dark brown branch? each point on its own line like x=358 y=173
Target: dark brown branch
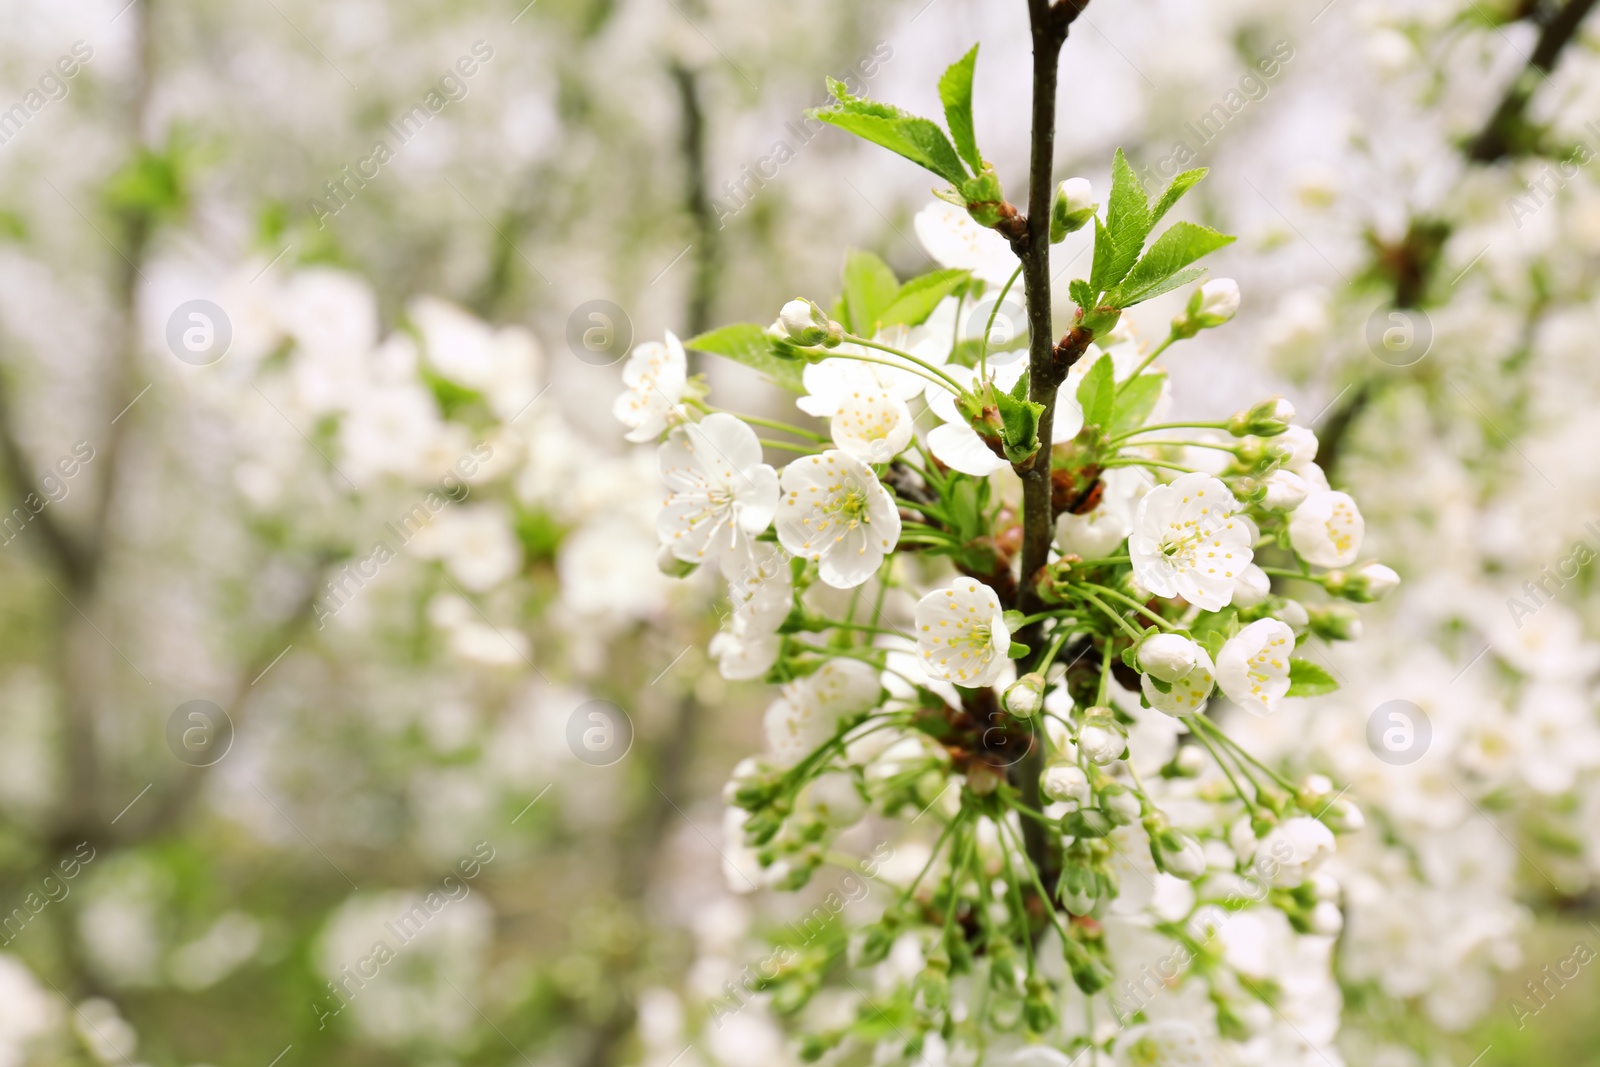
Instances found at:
x=1507 y=132
x=697 y=200
x=1050 y=23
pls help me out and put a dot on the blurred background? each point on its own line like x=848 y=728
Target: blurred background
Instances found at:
x=321 y=555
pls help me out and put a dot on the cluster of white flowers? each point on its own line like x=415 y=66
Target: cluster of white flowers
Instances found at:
x=1163 y=838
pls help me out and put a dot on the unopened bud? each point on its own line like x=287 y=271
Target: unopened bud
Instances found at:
x=808 y=325
x=1334 y=622
x=1266 y=419
x=1372 y=581
x=1072 y=208
x=1065 y=783
x=1213 y=304
x=1024 y=697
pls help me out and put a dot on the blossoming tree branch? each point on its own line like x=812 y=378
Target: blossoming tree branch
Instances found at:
x=998 y=579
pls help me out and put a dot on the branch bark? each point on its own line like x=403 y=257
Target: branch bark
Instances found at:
x=1506 y=132
x=1050 y=23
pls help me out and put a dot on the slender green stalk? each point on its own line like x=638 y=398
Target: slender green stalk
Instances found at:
x=1151 y=358
x=851 y=338
x=1132 y=603
x=1169 y=426
x=983 y=348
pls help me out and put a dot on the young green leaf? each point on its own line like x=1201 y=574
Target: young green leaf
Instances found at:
x=955 y=91
x=747 y=343
x=1174 y=192
x=1122 y=298
x=1179 y=246
x=869 y=287
x=1019 y=421
x=914 y=301
x=1127 y=217
x=1097 y=393
x=917 y=139
x=1306 y=679
x=1105 y=258
x=1135 y=402
x=1081 y=292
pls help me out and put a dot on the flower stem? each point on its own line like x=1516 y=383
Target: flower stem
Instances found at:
x=1151 y=358
x=787 y=447
x=771 y=424
x=951 y=383
x=983 y=349
x=1132 y=603
x=1168 y=426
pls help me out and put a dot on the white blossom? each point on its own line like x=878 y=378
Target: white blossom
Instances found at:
x=1293 y=850
x=962 y=634
x=1253 y=666
x=834 y=513
x=1186 y=694
x=809 y=709
x=1188 y=541
x=1166 y=1043
x=1326 y=529
x=655 y=375
x=722 y=494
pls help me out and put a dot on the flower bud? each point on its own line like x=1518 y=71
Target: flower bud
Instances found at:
x=1269 y=418
x=1189 y=761
x=1178 y=853
x=1065 y=783
x=1101 y=738
x=1039 y=1009
x=1072 y=208
x=1025 y=696
x=1120 y=805
x=808 y=325
x=1326 y=919
x=1213 y=304
x=1285 y=490
x=1089 y=974
x=1334 y=622
x=1294 y=613
x=1369 y=582
x=1343 y=816
x=1168 y=657
x=1078 y=889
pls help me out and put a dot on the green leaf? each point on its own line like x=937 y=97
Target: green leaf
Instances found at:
x=1019 y=421
x=917 y=139
x=1165 y=285
x=983 y=197
x=1097 y=393
x=1174 y=192
x=955 y=91
x=869 y=287
x=1179 y=246
x=914 y=301
x=1105 y=255
x=747 y=343
x=1082 y=294
x=1017 y=650
x=1306 y=679
x=1135 y=402
x=1127 y=218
